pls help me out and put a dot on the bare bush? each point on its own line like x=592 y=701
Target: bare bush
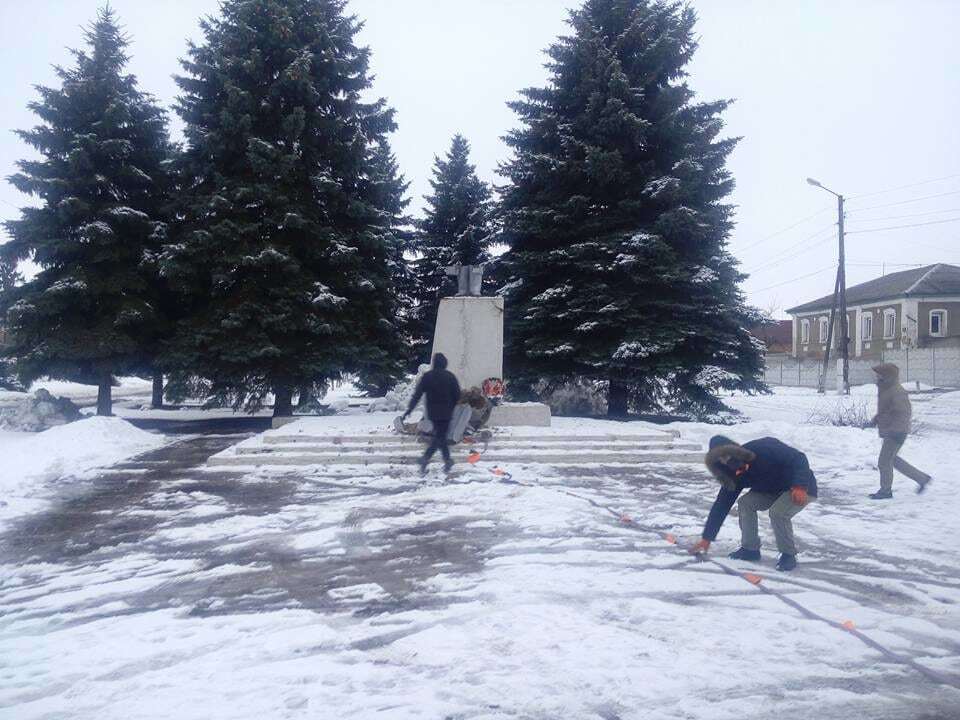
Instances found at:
x=847 y=412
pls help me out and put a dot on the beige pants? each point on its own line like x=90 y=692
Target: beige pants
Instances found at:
x=782 y=509
x=889 y=459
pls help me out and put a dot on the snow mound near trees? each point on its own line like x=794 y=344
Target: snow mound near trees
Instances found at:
x=41 y=411
x=40 y=466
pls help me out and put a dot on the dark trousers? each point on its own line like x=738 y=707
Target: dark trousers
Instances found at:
x=439 y=442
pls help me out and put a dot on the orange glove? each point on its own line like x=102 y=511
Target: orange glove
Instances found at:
x=799 y=495
x=700 y=548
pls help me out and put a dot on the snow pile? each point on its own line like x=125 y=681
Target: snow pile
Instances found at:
x=39 y=412
x=396 y=400
x=34 y=466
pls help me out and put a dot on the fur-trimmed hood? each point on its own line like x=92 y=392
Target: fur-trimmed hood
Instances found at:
x=887 y=374
x=719 y=455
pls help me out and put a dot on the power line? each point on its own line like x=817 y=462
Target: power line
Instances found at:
x=802 y=277
x=779 y=257
x=900 y=227
x=887 y=264
x=789 y=227
x=932 y=247
x=911 y=200
x=904 y=187
x=906 y=217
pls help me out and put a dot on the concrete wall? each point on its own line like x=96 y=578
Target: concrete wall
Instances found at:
x=937 y=365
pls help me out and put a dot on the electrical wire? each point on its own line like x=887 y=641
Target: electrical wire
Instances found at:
x=789 y=227
x=885 y=264
x=904 y=202
x=802 y=277
x=933 y=247
x=780 y=258
x=904 y=187
x=903 y=217
x=900 y=227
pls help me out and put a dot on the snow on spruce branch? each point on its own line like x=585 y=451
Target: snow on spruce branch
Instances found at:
x=712 y=377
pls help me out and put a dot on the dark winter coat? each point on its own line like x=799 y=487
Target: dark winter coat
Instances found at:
x=771 y=467
x=893 y=403
x=442 y=391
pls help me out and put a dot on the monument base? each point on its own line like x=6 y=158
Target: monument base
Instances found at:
x=470 y=333
x=517 y=414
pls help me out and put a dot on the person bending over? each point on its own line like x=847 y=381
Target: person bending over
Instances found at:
x=442 y=392
x=778 y=478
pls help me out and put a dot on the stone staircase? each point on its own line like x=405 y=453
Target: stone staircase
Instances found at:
x=504 y=448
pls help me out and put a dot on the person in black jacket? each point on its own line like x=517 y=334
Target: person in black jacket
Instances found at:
x=779 y=479
x=442 y=391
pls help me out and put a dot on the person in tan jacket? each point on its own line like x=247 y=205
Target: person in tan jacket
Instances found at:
x=893 y=423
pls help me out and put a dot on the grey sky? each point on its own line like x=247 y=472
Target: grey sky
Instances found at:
x=863 y=95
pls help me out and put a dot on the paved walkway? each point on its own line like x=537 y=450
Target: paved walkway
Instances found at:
x=168 y=590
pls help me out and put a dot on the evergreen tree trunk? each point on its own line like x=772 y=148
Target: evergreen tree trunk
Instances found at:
x=156 y=401
x=283 y=401
x=304 y=396
x=617 y=399
x=105 y=395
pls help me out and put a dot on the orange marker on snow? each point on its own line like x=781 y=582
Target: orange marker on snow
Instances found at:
x=751 y=578
x=473 y=458
x=848 y=625
x=672 y=539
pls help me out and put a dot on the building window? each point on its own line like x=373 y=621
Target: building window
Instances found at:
x=938 y=323
x=866 y=331
x=823 y=330
x=805 y=331
x=889 y=324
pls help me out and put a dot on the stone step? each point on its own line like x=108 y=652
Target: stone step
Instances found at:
x=578 y=457
x=390 y=438
x=494 y=446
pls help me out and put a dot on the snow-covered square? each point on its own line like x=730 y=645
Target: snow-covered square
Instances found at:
x=167 y=588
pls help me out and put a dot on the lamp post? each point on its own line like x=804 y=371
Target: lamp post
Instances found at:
x=841 y=290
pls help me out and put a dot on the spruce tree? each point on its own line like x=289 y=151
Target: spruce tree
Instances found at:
x=281 y=256
x=388 y=192
x=618 y=269
x=10 y=277
x=455 y=229
x=91 y=312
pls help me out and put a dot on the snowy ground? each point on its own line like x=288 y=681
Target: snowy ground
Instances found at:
x=53 y=464
x=174 y=591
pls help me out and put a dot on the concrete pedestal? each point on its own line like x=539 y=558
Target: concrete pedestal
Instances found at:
x=470 y=333
x=518 y=414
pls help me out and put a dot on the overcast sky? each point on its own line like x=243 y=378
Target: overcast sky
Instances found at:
x=863 y=95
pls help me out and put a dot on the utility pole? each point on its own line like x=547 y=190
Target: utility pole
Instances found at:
x=822 y=385
x=841 y=290
x=844 y=319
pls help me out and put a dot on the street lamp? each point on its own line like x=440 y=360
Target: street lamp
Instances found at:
x=839 y=292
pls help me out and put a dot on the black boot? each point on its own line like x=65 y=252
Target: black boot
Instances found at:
x=744 y=554
x=882 y=495
x=787 y=562
x=423 y=466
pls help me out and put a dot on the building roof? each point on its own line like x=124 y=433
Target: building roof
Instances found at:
x=939 y=279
